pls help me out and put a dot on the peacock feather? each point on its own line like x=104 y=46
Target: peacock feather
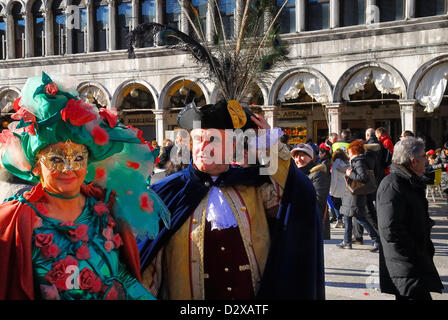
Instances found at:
x=235 y=65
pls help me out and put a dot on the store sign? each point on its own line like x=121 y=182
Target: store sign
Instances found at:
x=145 y=119
x=293 y=114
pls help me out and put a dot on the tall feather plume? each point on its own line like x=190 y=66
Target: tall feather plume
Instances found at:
x=236 y=65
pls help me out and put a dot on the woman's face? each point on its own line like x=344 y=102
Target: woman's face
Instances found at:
x=63 y=167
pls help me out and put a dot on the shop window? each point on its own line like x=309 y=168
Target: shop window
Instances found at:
x=19 y=30
x=287 y=17
x=317 y=14
x=59 y=29
x=391 y=10
x=101 y=26
x=124 y=11
x=425 y=8
x=351 y=12
x=38 y=29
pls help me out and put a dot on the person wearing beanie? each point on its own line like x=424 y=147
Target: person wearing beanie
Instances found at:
x=72 y=235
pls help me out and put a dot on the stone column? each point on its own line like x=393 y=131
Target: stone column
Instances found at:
x=69 y=29
x=334 y=13
x=90 y=26
x=159 y=19
x=407 y=113
x=334 y=117
x=300 y=15
x=209 y=22
x=184 y=24
x=238 y=14
x=112 y=34
x=10 y=38
x=29 y=38
x=370 y=12
x=135 y=15
x=269 y=115
x=410 y=9
x=160 y=125
x=49 y=38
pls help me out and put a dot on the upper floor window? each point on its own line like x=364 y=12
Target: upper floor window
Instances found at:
x=227 y=11
x=124 y=23
x=147 y=14
x=317 y=14
x=38 y=29
x=390 y=10
x=287 y=18
x=59 y=29
x=172 y=13
x=2 y=37
x=79 y=32
x=351 y=12
x=19 y=30
x=200 y=15
x=425 y=8
x=101 y=26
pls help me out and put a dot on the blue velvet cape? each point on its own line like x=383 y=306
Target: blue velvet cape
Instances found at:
x=295 y=264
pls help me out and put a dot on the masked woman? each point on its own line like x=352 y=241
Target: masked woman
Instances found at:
x=72 y=235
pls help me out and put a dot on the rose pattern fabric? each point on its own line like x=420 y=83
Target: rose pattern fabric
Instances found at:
x=80 y=259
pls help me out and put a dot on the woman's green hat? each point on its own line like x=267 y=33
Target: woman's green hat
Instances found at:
x=48 y=112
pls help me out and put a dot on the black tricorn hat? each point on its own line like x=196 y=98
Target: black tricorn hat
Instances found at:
x=221 y=115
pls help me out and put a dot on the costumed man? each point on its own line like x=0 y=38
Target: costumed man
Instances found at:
x=222 y=244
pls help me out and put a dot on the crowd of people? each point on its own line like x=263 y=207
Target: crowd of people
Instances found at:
x=395 y=210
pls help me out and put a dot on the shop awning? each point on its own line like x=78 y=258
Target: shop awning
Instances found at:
x=384 y=81
x=432 y=86
x=303 y=81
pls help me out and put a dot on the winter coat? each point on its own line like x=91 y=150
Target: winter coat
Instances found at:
x=321 y=182
x=355 y=205
x=338 y=186
x=406 y=255
x=387 y=142
x=375 y=159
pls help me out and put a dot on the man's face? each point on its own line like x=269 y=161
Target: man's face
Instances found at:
x=446 y=151
x=377 y=135
x=418 y=164
x=333 y=139
x=209 y=150
x=301 y=159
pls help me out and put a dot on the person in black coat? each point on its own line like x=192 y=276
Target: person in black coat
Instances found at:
x=355 y=205
x=375 y=162
x=406 y=266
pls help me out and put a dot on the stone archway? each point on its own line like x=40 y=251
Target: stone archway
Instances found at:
x=135 y=102
x=370 y=95
x=301 y=95
x=94 y=93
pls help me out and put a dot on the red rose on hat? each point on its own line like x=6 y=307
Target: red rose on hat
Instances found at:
x=51 y=89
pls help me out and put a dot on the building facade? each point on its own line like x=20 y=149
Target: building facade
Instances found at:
x=353 y=63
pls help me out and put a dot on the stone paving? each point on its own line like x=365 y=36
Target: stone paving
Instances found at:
x=353 y=274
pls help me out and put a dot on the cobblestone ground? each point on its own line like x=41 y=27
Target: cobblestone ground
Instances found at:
x=353 y=274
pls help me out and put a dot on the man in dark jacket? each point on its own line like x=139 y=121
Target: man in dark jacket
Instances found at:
x=303 y=155
x=407 y=268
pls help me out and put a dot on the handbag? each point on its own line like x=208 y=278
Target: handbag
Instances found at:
x=360 y=188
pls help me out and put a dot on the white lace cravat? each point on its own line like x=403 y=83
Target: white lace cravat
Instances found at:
x=219 y=213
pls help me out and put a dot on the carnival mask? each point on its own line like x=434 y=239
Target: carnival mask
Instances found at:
x=65 y=156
